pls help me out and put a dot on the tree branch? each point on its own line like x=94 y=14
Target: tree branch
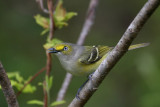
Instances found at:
x=7 y=88
x=86 y=28
x=113 y=57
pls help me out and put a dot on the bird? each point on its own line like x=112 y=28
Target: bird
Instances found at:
x=83 y=60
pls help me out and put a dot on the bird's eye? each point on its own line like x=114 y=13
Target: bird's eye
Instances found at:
x=65 y=48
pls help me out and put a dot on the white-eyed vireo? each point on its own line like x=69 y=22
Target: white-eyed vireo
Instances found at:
x=83 y=60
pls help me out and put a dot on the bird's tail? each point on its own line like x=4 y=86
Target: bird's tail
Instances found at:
x=138 y=46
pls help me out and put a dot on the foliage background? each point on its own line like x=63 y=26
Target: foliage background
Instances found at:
x=134 y=81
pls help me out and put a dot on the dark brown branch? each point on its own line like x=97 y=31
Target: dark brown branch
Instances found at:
x=116 y=53
x=86 y=28
x=33 y=77
x=7 y=88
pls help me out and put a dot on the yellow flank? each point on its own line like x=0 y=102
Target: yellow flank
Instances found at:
x=87 y=69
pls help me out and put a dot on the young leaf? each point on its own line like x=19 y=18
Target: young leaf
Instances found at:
x=12 y=74
x=40 y=84
x=46 y=86
x=60 y=12
x=69 y=15
x=42 y=21
x=29 y=89
x=50 y=82
x=37 y=102
x=61 y=16
x=18 y=82
x=44 y=31
x=56 y=103
x=19 y=78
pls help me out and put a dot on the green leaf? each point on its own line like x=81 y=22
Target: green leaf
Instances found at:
x=44 y=31
x=61 y=16
x=29 y=89
x=18 y=82
x=69 y=15
x=51 y=43
x=37 y=102
x=15 y=75
x=60 y=12
x=46 y=86
x=19 y=78
x=42 y=21
x=12 y=74
x=50 y=82
x=40 y=84
x=60 y=24
x=55 y=103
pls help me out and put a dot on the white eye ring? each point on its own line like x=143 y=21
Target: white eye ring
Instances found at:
x=65 y=48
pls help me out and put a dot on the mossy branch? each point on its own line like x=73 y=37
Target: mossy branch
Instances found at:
x=7 y=88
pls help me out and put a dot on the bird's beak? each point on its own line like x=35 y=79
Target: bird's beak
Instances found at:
x=52 y=50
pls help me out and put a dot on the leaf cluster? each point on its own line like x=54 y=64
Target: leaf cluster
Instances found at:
x=60 y=16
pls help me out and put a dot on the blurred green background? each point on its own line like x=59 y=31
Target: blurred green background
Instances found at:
x=133 y=82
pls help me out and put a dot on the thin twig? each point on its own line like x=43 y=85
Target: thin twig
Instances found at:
x=33 y=77
x=64 y=87
x=7 y=88
x=115 y=54
x=50 y=8
x=49 y=61
x=40 y=2
x=48 y=64
x=48 y=70
x=88 y=21
x=86 y=28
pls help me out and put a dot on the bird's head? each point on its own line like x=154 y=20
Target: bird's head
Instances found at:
x=62 y=48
